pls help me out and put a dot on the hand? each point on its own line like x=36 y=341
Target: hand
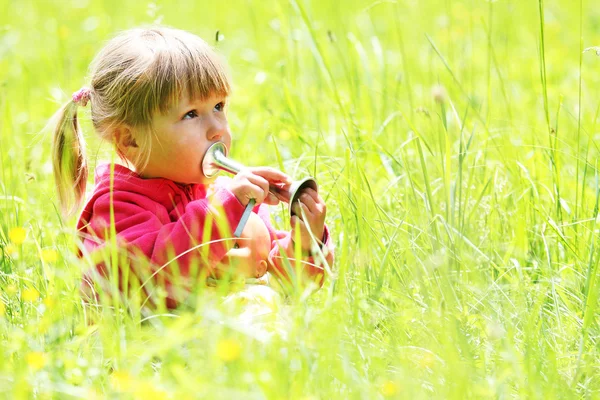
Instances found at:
x=310 y=214
x=253 y=183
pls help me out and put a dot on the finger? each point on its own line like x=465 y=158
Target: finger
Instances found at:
x=280 y=190
x=302 y=211
x=251 y=192
x=297 y=209
x=260 y=182
x=313 y=193
x=255 y=186
x=308 y=200
x=299 y=226
x=245 y=190
x=271 y=199
x=257 y=193
x=320 y=199
x=321 y=208
x=315 y=204
x=296 y=224
x=271 y=174
x=281 y=185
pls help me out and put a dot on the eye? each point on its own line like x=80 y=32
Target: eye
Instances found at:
x=190 y=114
x=220 y=106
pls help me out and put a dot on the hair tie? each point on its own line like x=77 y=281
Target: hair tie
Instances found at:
x=82 y=96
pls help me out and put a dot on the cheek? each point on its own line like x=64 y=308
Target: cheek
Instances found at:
x=226 y=138
x=180 y=148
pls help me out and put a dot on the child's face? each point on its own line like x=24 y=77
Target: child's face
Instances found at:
x=183 y=134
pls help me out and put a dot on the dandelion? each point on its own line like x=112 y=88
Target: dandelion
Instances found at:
x=2 y=309
x=36 y=360
x=122 y=380
x=389 y=389
x=49 y=255
x=147 y=391
x=229 y=350
x=285 y=134
x=17 y=235
x=49 y=302
x=30 y=295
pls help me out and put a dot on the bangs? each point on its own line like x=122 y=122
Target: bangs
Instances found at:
x=178 y=64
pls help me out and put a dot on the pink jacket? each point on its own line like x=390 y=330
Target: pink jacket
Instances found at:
x=159 y=220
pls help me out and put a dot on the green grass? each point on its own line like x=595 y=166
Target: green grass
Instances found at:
x=465 y=219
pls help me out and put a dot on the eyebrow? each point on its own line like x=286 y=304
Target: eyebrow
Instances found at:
x=184 y=104
x=177 y=108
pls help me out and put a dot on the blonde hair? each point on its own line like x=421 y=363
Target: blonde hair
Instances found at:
x=138 y=73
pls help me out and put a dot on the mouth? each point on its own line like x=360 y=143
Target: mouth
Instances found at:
x=214 y=159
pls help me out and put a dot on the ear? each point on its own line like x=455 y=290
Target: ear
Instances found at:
x=261 y=269
x=124 y=139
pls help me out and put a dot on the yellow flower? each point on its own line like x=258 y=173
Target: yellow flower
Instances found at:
x=229 y=349
x=147 y=391
x=285 y=134
x=389 y=389
x=49 y=303
x=2 y=309
x=49 y=255
x=122 y=381
x=30 y=295
x=17 y=235
x=36 y=360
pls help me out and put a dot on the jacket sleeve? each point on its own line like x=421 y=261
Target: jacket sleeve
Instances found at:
x=195 y=239
x=282 y=261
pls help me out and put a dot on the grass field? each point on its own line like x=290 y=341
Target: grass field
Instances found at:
x=455 y=143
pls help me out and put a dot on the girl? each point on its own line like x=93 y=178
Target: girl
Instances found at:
x=160 y=97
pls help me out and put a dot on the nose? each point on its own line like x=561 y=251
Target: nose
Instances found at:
x=217 y=130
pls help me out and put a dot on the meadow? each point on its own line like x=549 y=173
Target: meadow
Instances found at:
x=455 y=143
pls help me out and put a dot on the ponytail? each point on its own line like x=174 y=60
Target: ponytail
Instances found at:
x=137 y=74
x=68 y=159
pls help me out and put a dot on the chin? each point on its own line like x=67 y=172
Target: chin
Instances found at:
x=202 y=180
x=193 y=179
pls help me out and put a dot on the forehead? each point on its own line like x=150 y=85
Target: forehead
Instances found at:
x=183 y=80
x=185 y=101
